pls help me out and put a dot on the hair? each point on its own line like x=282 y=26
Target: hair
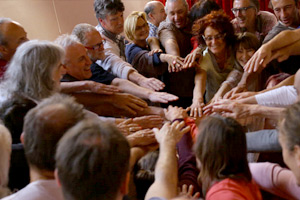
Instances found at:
x=218 y=20
x=30 y=70
x=202 y=8
x=45 y=124
x=66 y=40
x=247 y=40
x=130 y=23
x=149 y=8
x=256 y=4
x=5 y=151
x=186 y=5
x=289 y=126
x=271 y=5
x=12 y=113
x=80 y=31
x=107 y=7
x=3 y=21
x=216 y=148
x=144 y=173
x=92 y=161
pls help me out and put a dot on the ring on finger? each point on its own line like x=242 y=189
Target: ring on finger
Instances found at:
x=131 y=129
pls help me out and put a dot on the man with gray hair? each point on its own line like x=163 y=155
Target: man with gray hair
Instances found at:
x=44 y=125
x=12 y=34
x=109 y=14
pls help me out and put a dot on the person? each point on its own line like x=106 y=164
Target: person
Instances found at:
x=224 y=171
x=150 y=64
x=216 y=32
x=44 y=125
x=155 y=13
x=249 y=18
x=5 y=152
x=12 y=34
x=90 y=38
x=271 y=177
x=245 y=46
x=173 y=34
x=110 y=17
x=92 y=162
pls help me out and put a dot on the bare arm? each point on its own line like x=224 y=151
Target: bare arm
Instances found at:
x=150 y=83
x=92 y=86
x=154 y=43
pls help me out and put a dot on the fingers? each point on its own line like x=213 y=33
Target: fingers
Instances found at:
x=155 y=84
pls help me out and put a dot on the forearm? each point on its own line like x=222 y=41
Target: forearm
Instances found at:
x=283 y=39
x=76 y=86
x=135 y=154
x=225 y=87
x=153 y=43
x=129 y=87
x=171 y=47
x=267 y=112
x=200 y=83
x=166 y=178
x=287 y=81
x=135 y=77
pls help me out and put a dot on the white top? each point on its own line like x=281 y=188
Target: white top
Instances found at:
x=37 y=190
x=113 y=62
x=280 y=97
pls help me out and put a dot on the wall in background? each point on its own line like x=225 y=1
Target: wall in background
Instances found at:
x=46 y=19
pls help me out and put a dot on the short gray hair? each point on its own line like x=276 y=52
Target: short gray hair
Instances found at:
x=80 y=31
x=5 y=151
x=30 y=70
x=186 y=5
x=149 y=8
x=3 y=21
x=66 y=40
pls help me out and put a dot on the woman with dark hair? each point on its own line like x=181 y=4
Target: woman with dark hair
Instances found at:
x=221 y=152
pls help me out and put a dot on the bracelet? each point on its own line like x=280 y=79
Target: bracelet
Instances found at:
x=177 y=119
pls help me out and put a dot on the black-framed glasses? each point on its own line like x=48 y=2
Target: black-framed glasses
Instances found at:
x=220 y=36
x=95 y=47
x=242 y=10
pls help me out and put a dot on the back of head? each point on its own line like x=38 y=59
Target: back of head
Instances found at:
x=80 y=31
x=31 y=68
x=3 y=21
x=107 y=7
x=44 y=125
x=92 y=161
x=247 y=40
x=202 y=8
x=5 y=151
x=216 y=148
x=131 y=23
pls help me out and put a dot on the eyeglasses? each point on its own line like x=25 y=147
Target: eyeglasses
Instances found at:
x=242 y=10
x=95 y=47
x=220 y=36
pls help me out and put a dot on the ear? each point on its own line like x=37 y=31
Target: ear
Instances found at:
x=124 y=186
x=151 y=16
x=297 y=155
x=22 y=138
x=3 y=50
x=57 y=178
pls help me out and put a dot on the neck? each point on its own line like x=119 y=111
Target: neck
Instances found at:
x=140 y=43
x=36 y=174
x=154 y=23
x=251 y=28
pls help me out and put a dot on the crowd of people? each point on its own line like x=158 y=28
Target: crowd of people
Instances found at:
x=182 y=102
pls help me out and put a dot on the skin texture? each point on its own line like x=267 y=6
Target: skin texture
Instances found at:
x=246 y=19
x=93 y=38
x=286 y=12
x=216 y=46
x=113 y=23
x=158 y=14
x=243 y=55
x=177 y=13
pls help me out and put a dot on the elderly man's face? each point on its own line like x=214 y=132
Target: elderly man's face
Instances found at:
x=77 y=62
x=245 y=13
x=15 y=35
x=286 y=11
x=113 y=23
x=94 y=46
x=177 y=13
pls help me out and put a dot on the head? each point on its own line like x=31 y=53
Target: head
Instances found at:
x=136 y=26
x=202 y=8
x=12 y=34
x=215 y=31
x=92 y=161
x=5 y=151
x=177 y=12
x=77 y=62
x=91 y=40
x=289 y=139
x=216 y=149
x=245 y=46
x=35 y=70
x=155 y=12
x=109 y=14
x=44 y=125
x=245 y=11
x=286 y=11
